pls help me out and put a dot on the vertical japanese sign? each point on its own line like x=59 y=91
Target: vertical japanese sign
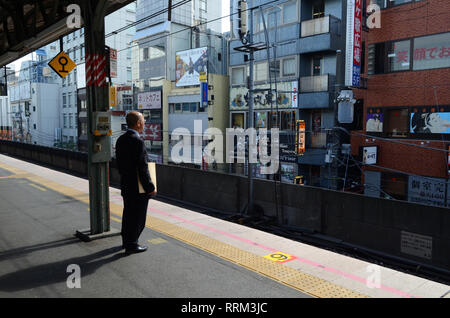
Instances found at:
x=295 y=94
x=353 y=43
x=301 y=137
x=204 y=92
x=113 y=62
x=112 y=96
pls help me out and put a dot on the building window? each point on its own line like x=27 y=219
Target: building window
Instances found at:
x=237 y=120
x=290 y=12
x=317 y=63
x=396 y=122
x=318 y=9
x=399 y=56
x=238 y=76
x=146 y=56
x=261 y=120
x=64 y=100
x=395 y=185
x=289 y=67
x=260 y=73
x=65 y=120
x=84 y=129
x=274 y=17
x=178 y=108
x=275 y=69
x=423 y=53
x=392 y=3
x=432 y=52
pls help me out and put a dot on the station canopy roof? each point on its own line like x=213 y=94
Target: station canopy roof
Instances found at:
x=27 y=25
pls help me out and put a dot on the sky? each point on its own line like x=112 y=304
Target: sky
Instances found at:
x=225 y=11
x=225 y=28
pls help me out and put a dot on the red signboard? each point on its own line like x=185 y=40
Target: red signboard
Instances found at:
x=153 y=132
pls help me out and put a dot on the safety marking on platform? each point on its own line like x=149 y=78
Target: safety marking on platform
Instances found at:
x=37 y=187
x=157 y=241
x=281 y=273
x=116 y=219
x=280 y=257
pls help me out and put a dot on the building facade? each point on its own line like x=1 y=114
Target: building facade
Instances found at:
x=406 y=104
x=302 y=67
x=168 y=57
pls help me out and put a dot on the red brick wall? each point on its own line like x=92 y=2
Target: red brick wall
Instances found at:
x=413 y=88
x=405 y=158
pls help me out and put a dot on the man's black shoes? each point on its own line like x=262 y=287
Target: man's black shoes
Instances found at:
x=136 y=249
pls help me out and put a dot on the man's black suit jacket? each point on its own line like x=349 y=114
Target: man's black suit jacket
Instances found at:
x=131 y=156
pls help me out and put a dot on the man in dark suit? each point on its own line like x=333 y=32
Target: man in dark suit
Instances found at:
x=131 y=156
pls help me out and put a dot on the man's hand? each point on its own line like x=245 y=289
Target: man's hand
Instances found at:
x=152 y=194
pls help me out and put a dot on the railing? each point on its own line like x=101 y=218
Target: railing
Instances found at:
x=310 y=84
x=323 y=25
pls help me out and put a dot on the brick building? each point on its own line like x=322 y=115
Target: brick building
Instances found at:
x=406 y=102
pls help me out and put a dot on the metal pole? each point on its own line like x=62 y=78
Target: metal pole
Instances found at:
x=97 y=100
x=250 y=114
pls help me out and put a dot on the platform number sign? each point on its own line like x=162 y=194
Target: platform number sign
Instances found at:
x=280 y=257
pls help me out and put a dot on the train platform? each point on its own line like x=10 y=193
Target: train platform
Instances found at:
x=190 y=254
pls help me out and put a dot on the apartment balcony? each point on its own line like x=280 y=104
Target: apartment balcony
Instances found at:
x=319 y=35
x=316 y=91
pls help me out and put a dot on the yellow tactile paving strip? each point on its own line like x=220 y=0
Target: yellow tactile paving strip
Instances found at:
x=291 y=277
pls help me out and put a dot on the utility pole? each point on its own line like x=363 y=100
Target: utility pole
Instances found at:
x=249 y=47
x=169 y=11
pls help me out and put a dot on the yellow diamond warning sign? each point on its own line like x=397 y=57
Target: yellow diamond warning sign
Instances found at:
x=280 y=257
x=62 y=64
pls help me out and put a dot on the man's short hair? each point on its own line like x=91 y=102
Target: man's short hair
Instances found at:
x=133 y=118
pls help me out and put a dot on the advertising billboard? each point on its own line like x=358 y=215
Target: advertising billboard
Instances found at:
x=370 y=155
x=189 y=65
x=430 y=123
x=374 y=122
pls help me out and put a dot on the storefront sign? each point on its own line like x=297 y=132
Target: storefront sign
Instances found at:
x=152 y=132
x=301 y=136
x=430 y=123
x=287 y=153
x=287 y=98
x=425 y=190
x=370 y=155
x=149 y=100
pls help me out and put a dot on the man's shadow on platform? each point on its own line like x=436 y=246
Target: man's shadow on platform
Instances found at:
x=54 y=273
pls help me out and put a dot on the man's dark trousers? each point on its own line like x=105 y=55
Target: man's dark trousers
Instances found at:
x=133 y=218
